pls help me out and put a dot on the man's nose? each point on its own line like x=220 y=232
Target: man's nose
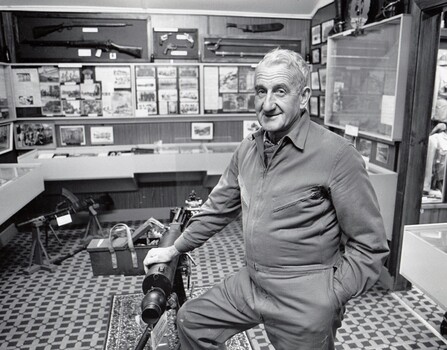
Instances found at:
x=269 y=102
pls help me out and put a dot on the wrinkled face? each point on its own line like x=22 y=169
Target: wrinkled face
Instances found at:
x=279 y=98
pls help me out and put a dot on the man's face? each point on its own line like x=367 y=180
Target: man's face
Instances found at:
x=278 y=99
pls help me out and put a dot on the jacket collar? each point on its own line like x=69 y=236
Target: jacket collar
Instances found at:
x=297 y=135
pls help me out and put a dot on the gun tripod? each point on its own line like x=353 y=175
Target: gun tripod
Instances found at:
x=94 y=227
x=39 y=258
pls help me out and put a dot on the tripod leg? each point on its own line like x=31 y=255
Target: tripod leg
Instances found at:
x=55 y=234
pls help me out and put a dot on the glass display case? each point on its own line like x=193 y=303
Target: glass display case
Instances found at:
x=124 y=161
x=366 y=78
x=424 y=259
x=19 y=184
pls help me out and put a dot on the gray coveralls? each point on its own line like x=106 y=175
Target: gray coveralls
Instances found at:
x=294 y=210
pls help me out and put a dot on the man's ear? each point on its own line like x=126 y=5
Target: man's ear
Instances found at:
x=305 y=95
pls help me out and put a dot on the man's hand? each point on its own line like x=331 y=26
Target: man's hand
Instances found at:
x=159 y=255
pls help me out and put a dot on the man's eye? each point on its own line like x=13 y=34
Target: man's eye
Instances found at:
x=260 y=93
x=280 y=92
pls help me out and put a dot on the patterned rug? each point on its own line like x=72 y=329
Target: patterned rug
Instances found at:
x=126 y=327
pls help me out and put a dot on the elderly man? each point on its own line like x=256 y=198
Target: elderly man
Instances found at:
x=300 y=188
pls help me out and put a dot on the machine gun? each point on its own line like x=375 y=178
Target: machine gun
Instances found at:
x=163 y=285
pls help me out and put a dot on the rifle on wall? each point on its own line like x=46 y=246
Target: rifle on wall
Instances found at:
x=41 y=31
x=107 y=46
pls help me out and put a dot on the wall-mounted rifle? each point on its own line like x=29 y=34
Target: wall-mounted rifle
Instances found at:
x=41 y=31
x=106 y=45
x=257 y=28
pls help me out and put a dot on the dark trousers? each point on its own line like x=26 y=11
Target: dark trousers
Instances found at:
x=299 y=310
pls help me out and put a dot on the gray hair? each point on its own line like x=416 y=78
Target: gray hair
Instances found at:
x=292 y=60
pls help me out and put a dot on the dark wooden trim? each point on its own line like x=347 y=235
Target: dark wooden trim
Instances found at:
x=429 y=5
x=413 y=150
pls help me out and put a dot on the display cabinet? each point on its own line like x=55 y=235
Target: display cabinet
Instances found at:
x=125 y=161
x=367 y=77
x=384 y=182
x=19 y=184
x=424 y=260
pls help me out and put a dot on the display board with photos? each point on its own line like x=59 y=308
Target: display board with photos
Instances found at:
x=4 y=94
x=229 y=89
x=167 y=89
x=73 y=91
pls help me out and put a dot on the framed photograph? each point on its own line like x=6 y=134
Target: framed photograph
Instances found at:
x=101 y=135
x=322 y=76
x=316 y=56
x=364 y=146
x=326 y=27
x=323 y=54
x=5 y=138
x=34 y=135
x=316 y=35
x=314 y=81
x=314 y=106
x=70 y=75
x=249 y=127
x=382 y=152
x=72 y=135
x=201 y=131
x=322 y=106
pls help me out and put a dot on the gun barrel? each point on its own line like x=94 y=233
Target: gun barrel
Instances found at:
x=159 y=280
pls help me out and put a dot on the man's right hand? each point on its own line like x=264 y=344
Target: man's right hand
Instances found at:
x=159 y=255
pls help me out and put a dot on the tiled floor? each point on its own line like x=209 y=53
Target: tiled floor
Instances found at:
x=69 y=308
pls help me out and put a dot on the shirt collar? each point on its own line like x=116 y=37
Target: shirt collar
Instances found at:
x=298 y=134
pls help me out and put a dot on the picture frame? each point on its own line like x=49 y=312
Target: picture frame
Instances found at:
x=29 y=135
x=314 y=80
x=202 y=131
x=72 y=135
x=6 y=136
x=316 y=35
x=322 y=77
x=326 y=27
x=249 y=127
x=316 y=56
x=322 y=105
x=323 y=54
x=314 y=106
x=101 y=135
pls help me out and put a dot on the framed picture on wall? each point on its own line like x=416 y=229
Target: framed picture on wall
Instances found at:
x=325 y=29
x=72 y=135
x=101 y=135
x=316 y=56
x=323 y=54
x=322 y=106
x=322 y=77
x=34 y=135
x=316 y=35
x=249 y=127
x=314 y=106
x=314 y=81
x=5 y=138
x=201 y=131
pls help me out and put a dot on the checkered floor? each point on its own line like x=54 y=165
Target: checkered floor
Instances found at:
x=69 y=307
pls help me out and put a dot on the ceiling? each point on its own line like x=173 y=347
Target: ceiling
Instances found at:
x=298 y=9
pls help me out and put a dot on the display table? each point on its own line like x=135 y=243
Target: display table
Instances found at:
x=424 y=261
